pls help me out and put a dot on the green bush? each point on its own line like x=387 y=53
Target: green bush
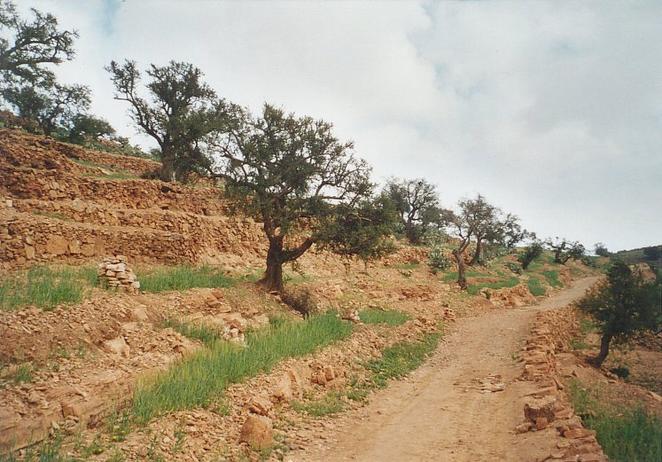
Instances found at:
x=530 y=253
x=438 y=260
x=552 y=277
x=535 y=287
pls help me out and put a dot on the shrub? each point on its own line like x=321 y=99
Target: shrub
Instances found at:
x=530 y=253
x=535 y=287
x=514 y=267
x=438 y=260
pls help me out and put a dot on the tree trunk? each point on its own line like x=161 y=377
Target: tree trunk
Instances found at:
x=411 y=233
x=272 y=280
x=479 y=248
x=167 y=171
x=604 y=350
x=461 y=278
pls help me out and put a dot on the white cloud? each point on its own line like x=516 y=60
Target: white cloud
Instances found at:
x=551 y=109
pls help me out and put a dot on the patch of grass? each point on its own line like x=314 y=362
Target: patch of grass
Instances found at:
x=578 y=344
x=118 y=425
x=44 y=287
x=400 y=359
x=552 y=277
x=23 y=373
x=183 y=278
x=196 y=380
x=535 y=287
x=388 y=317
x=206 y=334
x=329 y=404
x=627 y=434
x=452 y=276
x=474 y=289
x=586 y=326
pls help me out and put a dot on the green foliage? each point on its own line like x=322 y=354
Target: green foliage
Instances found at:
x=43 y=287
x=530 y=253
x=197 y=379
x=329 y=404
x=183 y=277
x=87 y=129
x=438 y=260
x=626 y=434
x=400 y=359
x=552 y=277
x=535 y=287
x=565 y=250
x=652 y=253
x=601 y=250
x=514 y=267
x=474 y=289
x=199 y=331
x=378 y=316
x=23 y=373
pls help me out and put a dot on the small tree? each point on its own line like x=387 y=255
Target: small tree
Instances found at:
x=460 y=226
x=180 y=114
x=565 y=250
x=623 y=305
x=292 y=174
x=601 y=250
x=417 y=204
x=86 y=128
x=26 y=46
x=482 y=219
x=530 y=253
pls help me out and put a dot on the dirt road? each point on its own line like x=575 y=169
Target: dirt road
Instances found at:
x=441 y=412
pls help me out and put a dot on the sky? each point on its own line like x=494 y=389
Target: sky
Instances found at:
x=552 y=110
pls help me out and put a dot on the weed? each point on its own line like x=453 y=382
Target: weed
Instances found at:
x=400 y=359
x=202 y=332
x=116 y=456
x=93 y=449
x=222 y=408
x=183 y=278
x=23 y=373
x=378 y=316
x=552 y=277
x=586 y=326
x=196 y=380
x=118 y=425
x=578 y=344
x=180 y=437
x=535 y=287
x=331 y=403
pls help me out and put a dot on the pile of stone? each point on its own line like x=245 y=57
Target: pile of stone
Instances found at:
x=114 y=273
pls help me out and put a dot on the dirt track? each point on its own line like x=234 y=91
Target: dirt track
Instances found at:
x=440 y=413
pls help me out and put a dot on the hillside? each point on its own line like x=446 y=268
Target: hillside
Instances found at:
x=637 y=256
x=157 y=374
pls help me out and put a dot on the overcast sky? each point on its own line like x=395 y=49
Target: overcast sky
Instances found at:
x=552 y=110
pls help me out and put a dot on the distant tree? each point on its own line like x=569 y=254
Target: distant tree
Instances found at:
x=86 y=128
x=361 y=230
x=512 y=231
x=417 y=204
x=52 y=105
x=180 y=113
x=530 y=253
x=461 y=227
x=652 y=253
x=565 y=250
x=292 y=174
x=623 y=305
x=601 y=250
x=482 y=218
x=28 y=45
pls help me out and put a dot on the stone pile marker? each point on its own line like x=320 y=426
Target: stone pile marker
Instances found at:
x=115 y=273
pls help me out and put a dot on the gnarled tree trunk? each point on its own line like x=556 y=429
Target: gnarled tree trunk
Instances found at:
x=273 y=275
x=479 y=248
x=604 y=350
x=167 y=171
x=461 y=269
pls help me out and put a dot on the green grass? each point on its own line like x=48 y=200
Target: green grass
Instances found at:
x=627 y=434
x=45 y=287
x=388 y=317
x=452 y=276
x=206 y=334
x=400 y=359
x=536 y=287
x=196 y=380
x=552 y=277
x=183 y=277
x=329 y=404
x=512 y=281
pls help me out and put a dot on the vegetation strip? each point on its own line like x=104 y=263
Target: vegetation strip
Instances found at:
x=378 y=316
x=196 y=380
x=184 y=277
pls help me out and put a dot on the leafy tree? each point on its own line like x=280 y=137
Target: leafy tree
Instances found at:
x=181 y=112
x=417 y=204
x=52 y=105
x=292 y=174
x=601 y=250
x=86 y=128
x=530 y=253
x=512 y=232
x=362 y=230
x=623 y=305
x=482 y=219
x=652 y=253
x=564 y=250
x=28 y=45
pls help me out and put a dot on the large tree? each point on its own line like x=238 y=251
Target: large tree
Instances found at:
x=623 y=305
x=179 y=114
x=417 y=204
x=292 y=174
x=27 y=46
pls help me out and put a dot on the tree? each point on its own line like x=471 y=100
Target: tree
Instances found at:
x=292 y=174
x=564 y=250
x=363 y=230
x=512 y=232
x=623 y=305
x=89 y=128
x=601 y=250
x=52 y=105
x=26 y=46
x=417 y=204
x=530 y=253
x=482 y=219
x=461 y=227
x=652 y=253
x=181 y=112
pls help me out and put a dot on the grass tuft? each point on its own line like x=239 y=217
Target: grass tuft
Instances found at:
x=206 y=334
x=552 y=277
x=329 y=404
x=196 y=380
x=535 y=287
x=183 y=278
x=388 y=317
x=512 y=281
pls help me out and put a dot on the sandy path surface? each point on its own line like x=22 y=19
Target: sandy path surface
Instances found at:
x=441 y=412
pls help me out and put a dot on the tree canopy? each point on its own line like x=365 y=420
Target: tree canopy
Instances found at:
x=417 y=204
x=565 y=250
